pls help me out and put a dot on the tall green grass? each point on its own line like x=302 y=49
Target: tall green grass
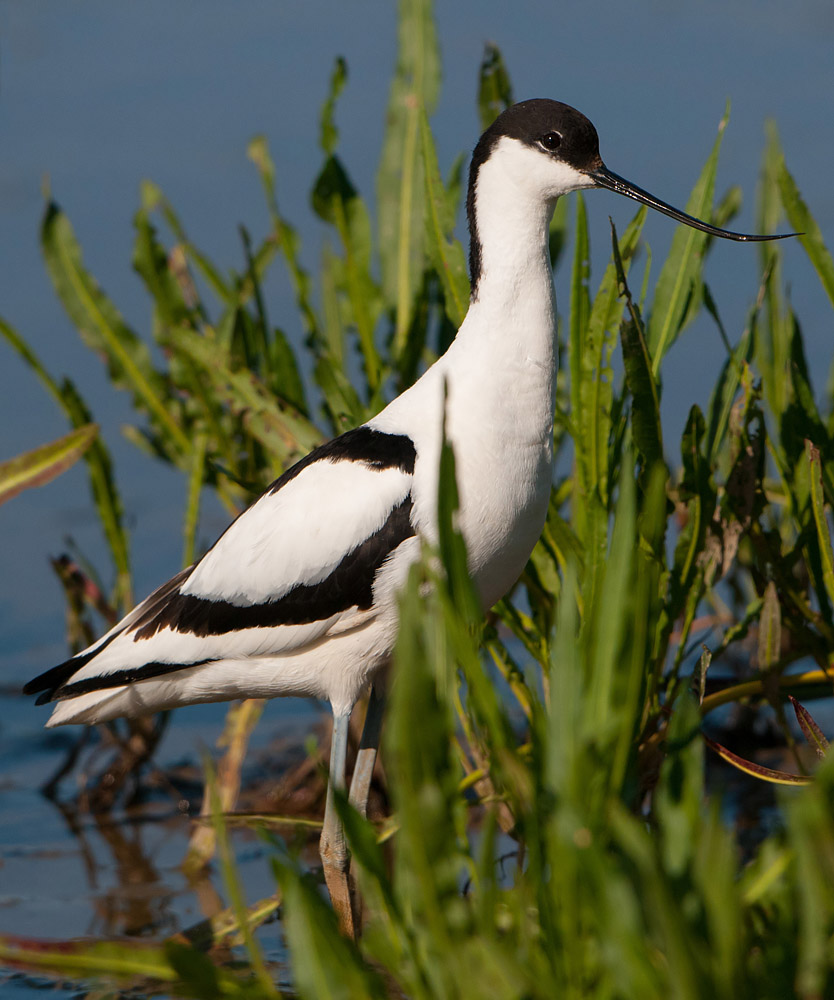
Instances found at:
x=552 y=832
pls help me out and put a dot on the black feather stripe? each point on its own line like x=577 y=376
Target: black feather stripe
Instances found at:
x=373 y=448
x=118 y=678
x=52 y=679
x=349 y=585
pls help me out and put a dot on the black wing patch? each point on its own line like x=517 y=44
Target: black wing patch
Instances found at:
x=349 y=585
x=49 y=681
x=116 y=679
x=363 y=444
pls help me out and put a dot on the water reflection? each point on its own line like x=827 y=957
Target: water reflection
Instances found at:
x=67 y=871
x=128 y=894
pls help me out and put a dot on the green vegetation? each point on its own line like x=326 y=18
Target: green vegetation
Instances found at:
x=40 y=465
x=563 y=735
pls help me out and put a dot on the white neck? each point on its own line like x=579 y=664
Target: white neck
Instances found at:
x=500 y=373
x=512 y=304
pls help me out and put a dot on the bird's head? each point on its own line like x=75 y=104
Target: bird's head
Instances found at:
x=548 y=149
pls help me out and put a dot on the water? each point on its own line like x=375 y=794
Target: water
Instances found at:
x=67 y=874
x=96 y=96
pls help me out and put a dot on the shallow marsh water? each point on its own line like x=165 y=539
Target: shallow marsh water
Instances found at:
x=66 y=873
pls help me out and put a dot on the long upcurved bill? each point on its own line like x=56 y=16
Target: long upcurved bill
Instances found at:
x=603 y=177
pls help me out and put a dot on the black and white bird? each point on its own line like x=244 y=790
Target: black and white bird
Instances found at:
x=299 y=595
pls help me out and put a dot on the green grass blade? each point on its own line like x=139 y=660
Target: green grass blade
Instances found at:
x=342 y=404
x=333 y=323
x=42 y=465
x=96 y=457
x=810 y=828
x=105 y=495
x=817 y=505
x=446 y=255
x=645 y=415
x=697 y=492
x=495 y=91
x=25 y=352
x=580 y=309
x=286 y=237
x=234 y=888
x=773 y=336
x=102 y=327
x=806 y=225
x=328 y=133
x=596 y=380
x=285 y=432
x=400 y=183
x=724 y=393
x=150 y=260
x=256 y=263
x=680 y=277
x=152 y=199
x=769 y=648
x=324 y=963
x=88 y=958
x=606 y=623
x=337 y=201
x=286 y=373
x=192 y=506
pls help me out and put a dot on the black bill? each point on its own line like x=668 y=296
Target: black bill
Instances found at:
x=603 y=177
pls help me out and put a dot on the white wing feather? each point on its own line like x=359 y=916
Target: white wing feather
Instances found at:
x=300 y=534
x=295 y=536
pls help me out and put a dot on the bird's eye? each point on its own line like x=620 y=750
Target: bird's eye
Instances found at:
x=551 y=141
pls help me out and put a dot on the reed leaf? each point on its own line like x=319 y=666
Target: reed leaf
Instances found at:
x=821 y=522
x=766 y=774
x=679 y=282
x=99 y=322
x=810 y=730
x=810 y=234
x=495 y=90
x=42 y=465
x=400 y=182
x=152 y=199
x=446 y=254
x=645 y=418
x=286 y=238
x=285 y=432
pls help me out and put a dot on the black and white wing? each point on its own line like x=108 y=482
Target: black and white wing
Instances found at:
x=300 y=563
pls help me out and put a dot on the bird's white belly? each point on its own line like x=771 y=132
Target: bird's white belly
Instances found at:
x=500 y=426
x=502 y=513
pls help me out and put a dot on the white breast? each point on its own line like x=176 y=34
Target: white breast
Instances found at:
x=499 y=420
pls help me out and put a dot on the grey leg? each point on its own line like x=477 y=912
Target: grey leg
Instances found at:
x=332 y=847
x=363 y=772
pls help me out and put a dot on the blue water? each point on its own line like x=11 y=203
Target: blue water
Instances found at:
x=95 y=96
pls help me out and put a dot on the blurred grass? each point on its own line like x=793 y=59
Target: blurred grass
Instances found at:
x=553 y=831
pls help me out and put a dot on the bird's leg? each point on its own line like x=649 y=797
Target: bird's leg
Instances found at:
x=332 y=847
x=334 y=853
x=363 y=772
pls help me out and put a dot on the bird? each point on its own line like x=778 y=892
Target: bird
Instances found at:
x=299 y=596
